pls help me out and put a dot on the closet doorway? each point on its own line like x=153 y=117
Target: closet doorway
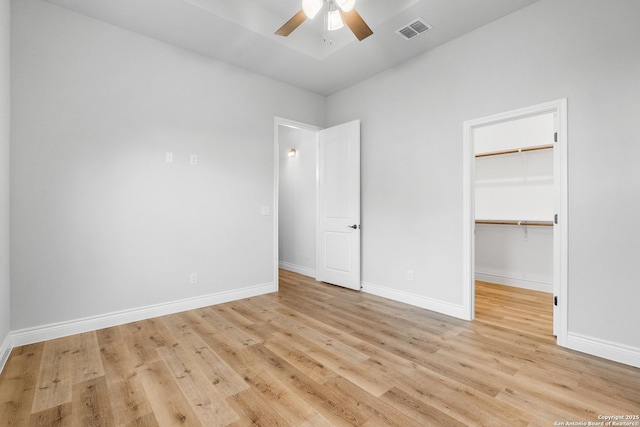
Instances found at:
x=515 y=206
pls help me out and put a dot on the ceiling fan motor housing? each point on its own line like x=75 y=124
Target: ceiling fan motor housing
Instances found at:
x=312 y=7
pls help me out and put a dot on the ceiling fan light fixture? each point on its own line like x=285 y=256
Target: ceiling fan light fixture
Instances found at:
x=346 y=5
x=336 y=13
x=311 y=7
x=334 y=21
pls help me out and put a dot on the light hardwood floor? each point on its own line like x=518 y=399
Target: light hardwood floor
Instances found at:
x=315 y=354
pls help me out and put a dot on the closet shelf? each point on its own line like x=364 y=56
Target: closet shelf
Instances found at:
x=518 y=150
x=515 y=222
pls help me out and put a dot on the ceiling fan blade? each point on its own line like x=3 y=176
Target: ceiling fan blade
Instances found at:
x=357 y=25
x=292 y=24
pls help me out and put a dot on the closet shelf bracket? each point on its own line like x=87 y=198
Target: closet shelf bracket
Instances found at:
x=525 y=230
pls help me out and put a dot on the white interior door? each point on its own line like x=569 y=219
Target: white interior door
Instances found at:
x=338 y=208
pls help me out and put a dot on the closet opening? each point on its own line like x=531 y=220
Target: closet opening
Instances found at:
x=515 y=219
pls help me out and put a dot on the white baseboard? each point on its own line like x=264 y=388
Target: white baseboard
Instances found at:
x=305 y=271
x=518 y=283
x=416 y=300
x=5 y=351
x=605 y=349
x=62 y=329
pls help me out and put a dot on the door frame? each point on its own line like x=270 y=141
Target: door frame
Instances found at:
x=277 y=122
x=560 y=261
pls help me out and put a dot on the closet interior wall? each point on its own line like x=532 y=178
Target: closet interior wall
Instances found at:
x=297 y=200
x=514 y=202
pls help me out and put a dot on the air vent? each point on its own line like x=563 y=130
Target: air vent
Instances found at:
x=413 y=29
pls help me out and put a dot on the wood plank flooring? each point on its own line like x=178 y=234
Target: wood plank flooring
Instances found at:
x=520 y=310
x=318 y=355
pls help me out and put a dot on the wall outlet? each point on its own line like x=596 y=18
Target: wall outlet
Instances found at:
x=409 y=274
x=193 y=159
x=265 y=211
x=168 y=157
x=193 y=278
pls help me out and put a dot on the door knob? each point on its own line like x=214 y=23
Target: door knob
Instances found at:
x=352 y=226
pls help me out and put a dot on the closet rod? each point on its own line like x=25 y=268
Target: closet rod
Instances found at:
x=519 y=150
x=509 y=222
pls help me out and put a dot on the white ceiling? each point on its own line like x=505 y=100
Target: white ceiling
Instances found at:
x=240 y=32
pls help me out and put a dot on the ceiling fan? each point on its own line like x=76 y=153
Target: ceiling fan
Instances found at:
x=336 y=12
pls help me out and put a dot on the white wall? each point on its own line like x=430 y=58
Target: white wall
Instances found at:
x=515 y=186
x=412 y=116
x=515 y=256
x=100 y=222
x=297 y=205
x=524 y=132
x=5 y=106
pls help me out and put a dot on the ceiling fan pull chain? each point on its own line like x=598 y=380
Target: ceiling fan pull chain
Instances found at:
x=324 y=28
x=326 y=25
